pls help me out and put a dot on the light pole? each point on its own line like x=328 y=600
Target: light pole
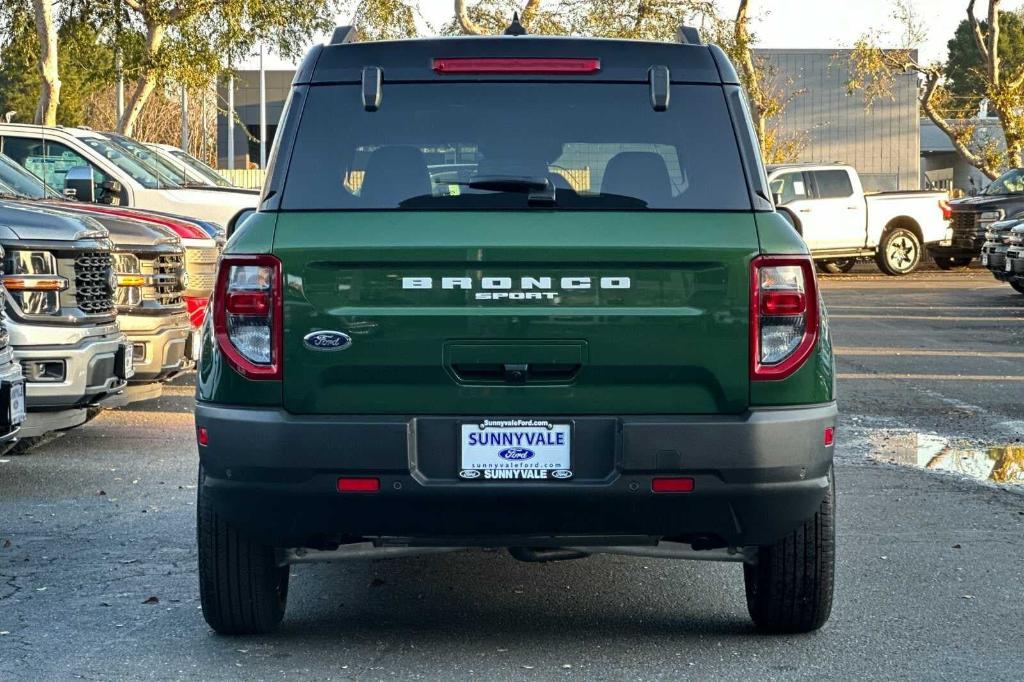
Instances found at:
x=263 y=112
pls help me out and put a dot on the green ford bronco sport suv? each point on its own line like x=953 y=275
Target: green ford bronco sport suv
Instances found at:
x=516 y=292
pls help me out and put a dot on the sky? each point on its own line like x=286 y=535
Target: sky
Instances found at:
x=823 y=24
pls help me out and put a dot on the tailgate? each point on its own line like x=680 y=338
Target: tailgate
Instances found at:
x=517 y=313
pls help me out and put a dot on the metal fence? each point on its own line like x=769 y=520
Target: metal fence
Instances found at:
x=247 y=178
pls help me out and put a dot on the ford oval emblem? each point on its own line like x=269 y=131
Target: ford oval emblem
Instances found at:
x=516 y=454
x=561 y=473
x=327 y=340
x=469 y=473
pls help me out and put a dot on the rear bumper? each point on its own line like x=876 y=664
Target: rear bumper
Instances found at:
x=274 y=475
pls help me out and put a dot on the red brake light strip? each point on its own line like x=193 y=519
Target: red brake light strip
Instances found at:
x=517 y=65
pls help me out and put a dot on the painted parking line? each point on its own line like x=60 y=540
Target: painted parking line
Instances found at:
x=840 y=306
x=948 y=318
x=930 y=377
x=926 y=352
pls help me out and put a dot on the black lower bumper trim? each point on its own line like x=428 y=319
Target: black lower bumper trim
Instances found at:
x=274 y=476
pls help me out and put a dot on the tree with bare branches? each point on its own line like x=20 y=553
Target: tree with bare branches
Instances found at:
x=875 y=69
x=49 y=87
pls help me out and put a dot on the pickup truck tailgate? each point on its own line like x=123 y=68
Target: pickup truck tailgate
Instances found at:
x=517 y=313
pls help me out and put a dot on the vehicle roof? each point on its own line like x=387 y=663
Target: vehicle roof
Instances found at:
x=412 y=59
x=42 y=130
x=806 y=165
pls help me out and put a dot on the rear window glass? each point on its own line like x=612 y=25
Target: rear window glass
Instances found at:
x=833 y=184
x=480 y=146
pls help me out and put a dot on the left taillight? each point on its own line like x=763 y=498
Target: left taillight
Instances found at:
x=247 y=314
x=783 y=315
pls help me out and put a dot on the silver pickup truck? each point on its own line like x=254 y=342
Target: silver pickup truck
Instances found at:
x=60 y=292
x=149 y=260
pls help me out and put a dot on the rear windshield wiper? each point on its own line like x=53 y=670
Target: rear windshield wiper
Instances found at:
x=540 y=190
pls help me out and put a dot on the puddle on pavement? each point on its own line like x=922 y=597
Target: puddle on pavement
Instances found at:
x=1000 y=464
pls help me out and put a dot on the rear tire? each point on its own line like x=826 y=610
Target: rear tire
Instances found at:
x=899 y=253
x=789 y=590
x=242 y=589
x=951 y=262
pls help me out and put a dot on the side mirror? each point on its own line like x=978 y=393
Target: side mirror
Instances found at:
x=238 y=219
x=790 y=218
x=111 y=191
x=78 y=184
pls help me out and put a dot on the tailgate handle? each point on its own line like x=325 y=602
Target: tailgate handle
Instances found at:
x=516 y=374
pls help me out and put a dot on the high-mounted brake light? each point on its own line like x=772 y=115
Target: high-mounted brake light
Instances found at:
x=783 y=315
x=247 y=315
x=517 y=65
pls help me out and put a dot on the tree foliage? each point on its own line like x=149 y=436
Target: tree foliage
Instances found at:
x=86 y=65
x=947 y=96
x=965 y=65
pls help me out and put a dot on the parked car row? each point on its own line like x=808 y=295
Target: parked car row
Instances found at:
x=1003 y=252
x=105 y=290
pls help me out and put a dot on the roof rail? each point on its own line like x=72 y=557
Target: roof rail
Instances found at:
x=688 y=35
x=344 y=34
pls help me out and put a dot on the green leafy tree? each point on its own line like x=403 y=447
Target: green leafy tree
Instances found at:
x=1000 y=82
x=87 y=67
x=965 y=66
x=190 y=41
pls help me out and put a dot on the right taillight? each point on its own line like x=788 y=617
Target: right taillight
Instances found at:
x=247 y=314
x=783 y=315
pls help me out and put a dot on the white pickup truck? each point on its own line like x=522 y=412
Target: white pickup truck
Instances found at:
x=841 y=224
x=51 y=152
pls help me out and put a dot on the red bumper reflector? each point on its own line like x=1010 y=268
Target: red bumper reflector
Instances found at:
x=672 y=485
x=520 y=65
x=830 y=436
x=358 y=485
x=203 y=436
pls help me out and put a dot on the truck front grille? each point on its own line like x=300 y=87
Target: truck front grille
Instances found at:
x=5 y=337
x=167 y=279
x=201 y=266
x=965 y=225
x=93 y=273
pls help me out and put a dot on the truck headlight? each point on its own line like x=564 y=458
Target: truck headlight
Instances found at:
x=989 y=217
x=33 y=282
x=130 y=279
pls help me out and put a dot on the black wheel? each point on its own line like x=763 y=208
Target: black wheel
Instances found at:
x=790 y=587
x=1017 y=285
x=951 y=263
x=242 y=589
x=837 y=266
x=899 y=253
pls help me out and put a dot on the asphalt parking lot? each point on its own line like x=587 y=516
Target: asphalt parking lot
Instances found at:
x=97 y=547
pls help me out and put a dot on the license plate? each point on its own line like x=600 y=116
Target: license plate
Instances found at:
x=17 y=409
x=984 y=259
x=515 y=450
x=195 y=346
x=1009 y=265
x=129 y=362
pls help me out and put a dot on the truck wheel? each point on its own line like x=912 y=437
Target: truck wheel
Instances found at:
x=951 y=263
x=1017 y=285
x=899 y=253
x=836 y=266
x=242 y=589
x=790 y=587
